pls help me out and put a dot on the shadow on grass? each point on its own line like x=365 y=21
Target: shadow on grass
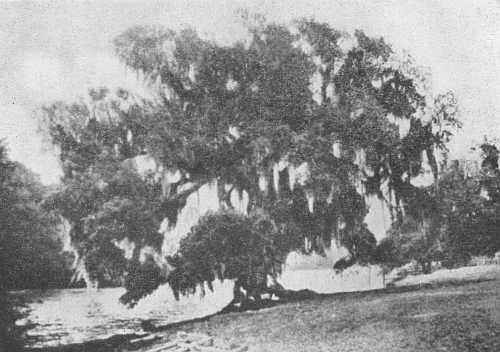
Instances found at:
x=288 y=296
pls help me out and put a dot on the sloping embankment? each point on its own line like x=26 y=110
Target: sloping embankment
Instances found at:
x=293 y=300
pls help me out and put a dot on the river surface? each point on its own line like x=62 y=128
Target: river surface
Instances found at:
x=59 y=317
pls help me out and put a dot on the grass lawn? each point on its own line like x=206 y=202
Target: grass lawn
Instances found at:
x=464 y=317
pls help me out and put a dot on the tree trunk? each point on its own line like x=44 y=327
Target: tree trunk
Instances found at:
x=426 y=266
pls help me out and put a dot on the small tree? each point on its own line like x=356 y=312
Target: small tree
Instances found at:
x=228 y=245
x=223 y=245
x=455 y=219
x=470 y=209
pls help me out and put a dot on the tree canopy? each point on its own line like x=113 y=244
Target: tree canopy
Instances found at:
x=30 y=250
x=459 y=219
x=304 y=120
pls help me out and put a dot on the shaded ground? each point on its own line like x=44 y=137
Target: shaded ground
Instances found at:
x=457 y=310
x=453 y=317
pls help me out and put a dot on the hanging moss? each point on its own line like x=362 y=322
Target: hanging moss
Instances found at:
x=244 y=246
x=263 y=91
x=141 y=280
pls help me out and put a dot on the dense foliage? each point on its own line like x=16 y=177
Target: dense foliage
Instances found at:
x=30 y=251
x=460 y=221
x=102 y=197
x=8 y=338
x=34 y=248
x=247 y=116
x=470 y=209
x=228 y=245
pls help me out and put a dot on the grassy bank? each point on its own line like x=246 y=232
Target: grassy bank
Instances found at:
x=450 y=317
x=451 y=310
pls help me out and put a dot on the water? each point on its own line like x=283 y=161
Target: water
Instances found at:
x=67 y=316
x=60 y=317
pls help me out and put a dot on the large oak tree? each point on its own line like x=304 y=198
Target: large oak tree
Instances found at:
x=304 y=120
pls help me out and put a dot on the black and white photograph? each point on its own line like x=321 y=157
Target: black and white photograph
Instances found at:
x=261 y=176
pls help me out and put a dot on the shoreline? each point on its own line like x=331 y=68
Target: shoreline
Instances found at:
x=117 y=342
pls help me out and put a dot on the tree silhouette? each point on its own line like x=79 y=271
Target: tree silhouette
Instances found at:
x=303 y=122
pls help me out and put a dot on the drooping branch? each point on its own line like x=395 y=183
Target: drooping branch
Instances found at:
x=171 y=205
x=261 y=92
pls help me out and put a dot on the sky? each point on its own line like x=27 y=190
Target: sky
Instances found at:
x=53 y=50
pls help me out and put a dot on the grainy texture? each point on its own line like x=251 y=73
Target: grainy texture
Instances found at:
x=450 y=318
